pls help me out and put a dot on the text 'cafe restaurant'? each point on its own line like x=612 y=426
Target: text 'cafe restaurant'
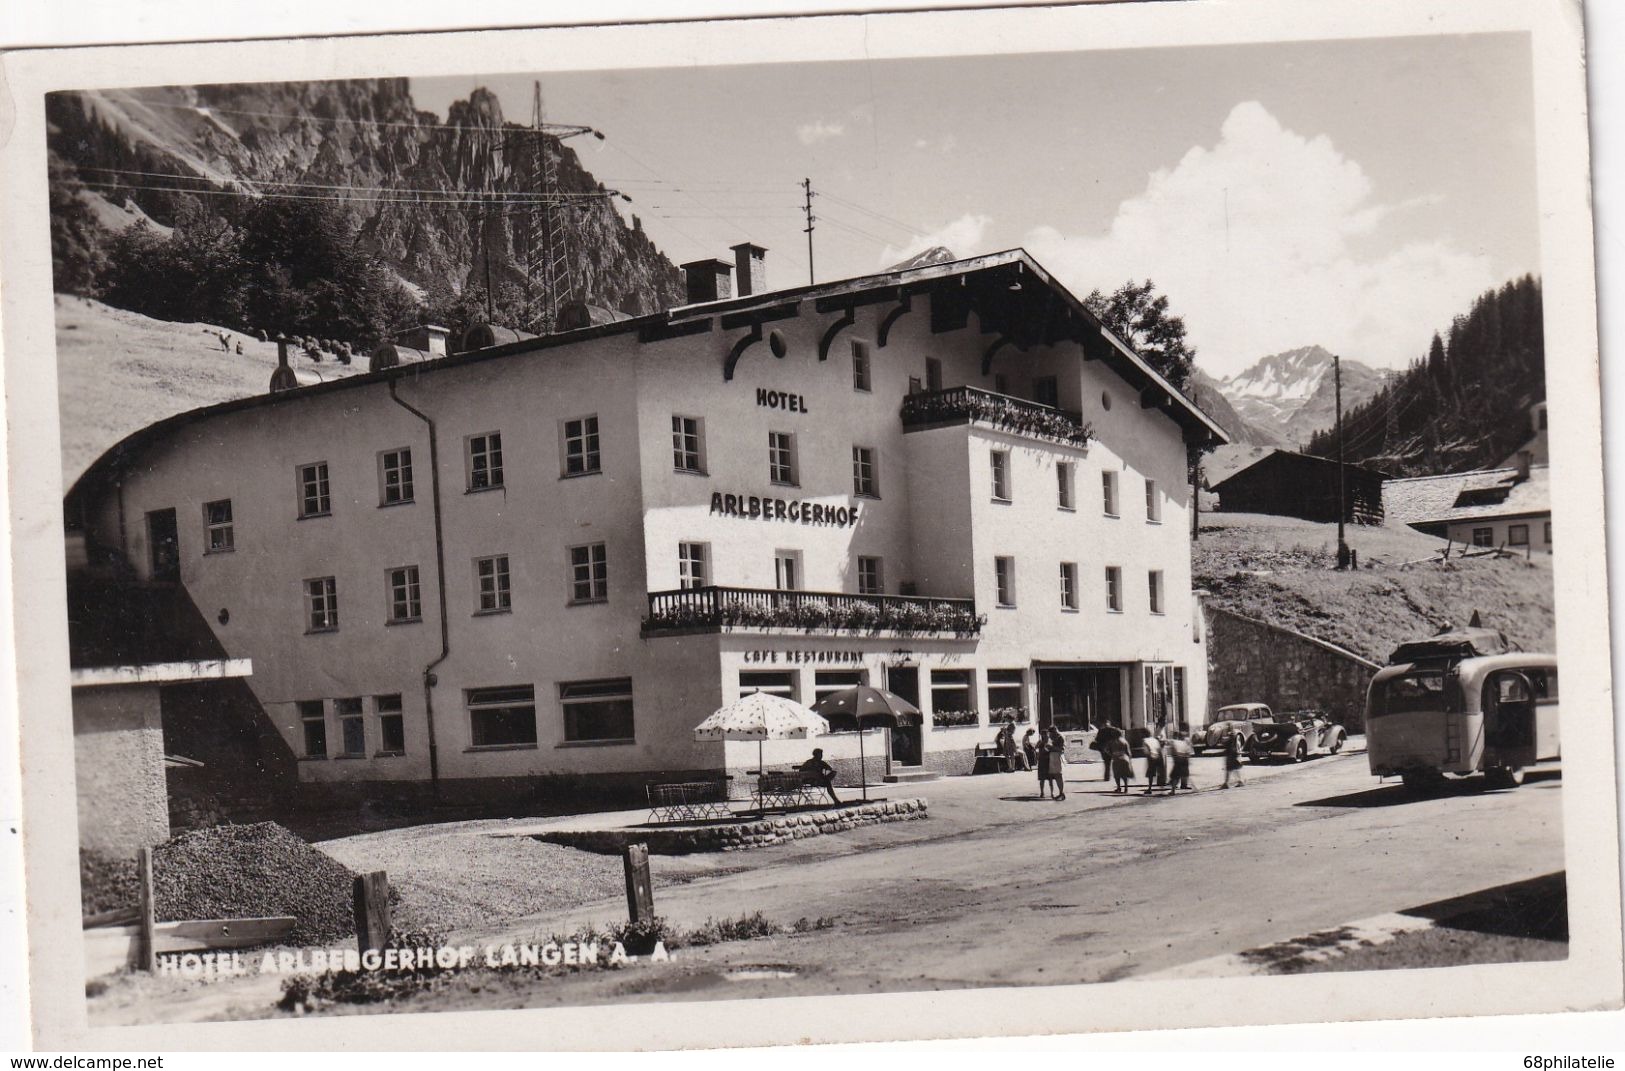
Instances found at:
x=558 y=556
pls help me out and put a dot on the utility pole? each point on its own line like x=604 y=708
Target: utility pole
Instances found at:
x=806 y=185
x=1342 y=490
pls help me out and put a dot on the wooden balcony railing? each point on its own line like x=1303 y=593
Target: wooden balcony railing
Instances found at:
x=960 y=405
x=717 y=608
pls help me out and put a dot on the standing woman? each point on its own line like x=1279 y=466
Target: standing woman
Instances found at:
x=1042 y=762
x=1232 y=760
x=1056 y=762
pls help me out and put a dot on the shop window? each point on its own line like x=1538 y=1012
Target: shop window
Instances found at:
x=322 y=604
x=688 y=444
x=693 y=565
x=1108 y=492
x=953 y=697
x=484 y=455
x=405 y=602
x=1181 y=716
x=871 y=576
x=781 y=683
x=827 y=682
x=1047 y=391
x=787 y=570
x=314 y=497
x=999 y=461
x=1483 y=537
x=1069 y=585
x=860 y=366
x=395 y=477
x=502 y=717
x=1153 y=503
x=1517 y=535
x=1114 y=589
x=391 y=724
x=1004 y=580
x=1065 y=484
x=781 y=458
x=1006 y=695
x=352 y=727
x=865 y=472
x=491 y=578
x=313 y=718
x=589 y=573
x=218 y=533
x=581 y=446
x=1154 y=588
x=597 y=710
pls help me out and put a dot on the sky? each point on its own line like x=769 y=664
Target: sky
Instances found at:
x=1353 y=194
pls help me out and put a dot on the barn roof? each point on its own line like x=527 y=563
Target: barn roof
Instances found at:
x=1293 y=459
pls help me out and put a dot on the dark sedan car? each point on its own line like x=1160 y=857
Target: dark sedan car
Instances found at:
x=1296 y=736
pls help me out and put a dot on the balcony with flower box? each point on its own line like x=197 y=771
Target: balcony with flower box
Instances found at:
x=725 y=609
x=972 y=405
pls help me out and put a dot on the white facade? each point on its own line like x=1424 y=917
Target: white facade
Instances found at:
x=583 y=550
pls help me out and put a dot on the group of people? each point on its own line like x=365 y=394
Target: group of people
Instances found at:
x=1167 y=758
x=1040 y=750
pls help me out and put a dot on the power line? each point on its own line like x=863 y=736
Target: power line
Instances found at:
x=882 y=217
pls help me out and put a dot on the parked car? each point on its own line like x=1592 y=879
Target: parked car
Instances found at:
x=1236 y=718
x=1296 y=736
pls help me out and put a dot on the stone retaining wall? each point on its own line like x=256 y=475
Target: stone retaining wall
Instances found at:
x=1256 y=662
x=736 y=836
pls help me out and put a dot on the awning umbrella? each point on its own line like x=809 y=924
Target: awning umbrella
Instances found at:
x=761 y=716
x=864 y=705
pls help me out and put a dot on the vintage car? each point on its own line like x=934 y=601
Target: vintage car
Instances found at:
x=1236 y=718
x=1297 y=735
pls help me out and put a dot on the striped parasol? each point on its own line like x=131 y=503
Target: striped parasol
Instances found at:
x=760 y=716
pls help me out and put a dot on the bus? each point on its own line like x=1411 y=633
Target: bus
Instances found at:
x=1491 y=714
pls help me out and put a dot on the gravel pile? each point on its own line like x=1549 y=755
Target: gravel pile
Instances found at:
x=106 y=882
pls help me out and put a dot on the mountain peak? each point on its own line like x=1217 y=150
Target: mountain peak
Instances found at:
x=1292 y=394
x=937 y=254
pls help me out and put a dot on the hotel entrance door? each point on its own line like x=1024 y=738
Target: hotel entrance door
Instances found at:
x=907 y=741
x=1070 y=697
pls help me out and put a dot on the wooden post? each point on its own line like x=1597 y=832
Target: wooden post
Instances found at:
x=145 y=950
x=640 y=895
x=372 y=911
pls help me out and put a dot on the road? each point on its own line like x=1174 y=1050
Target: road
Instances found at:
x=1100 y=887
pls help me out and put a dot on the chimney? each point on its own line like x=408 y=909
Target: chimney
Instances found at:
x=750 y=268
x=1525 y=458
x=708 y=280
x=282 y=377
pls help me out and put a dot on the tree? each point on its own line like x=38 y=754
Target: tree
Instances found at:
x=1138 y=315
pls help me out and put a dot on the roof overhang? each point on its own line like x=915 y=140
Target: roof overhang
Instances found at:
x=161 y=673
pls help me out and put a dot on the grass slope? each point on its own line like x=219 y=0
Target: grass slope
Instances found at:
x=119 y=371
x=1281 y=570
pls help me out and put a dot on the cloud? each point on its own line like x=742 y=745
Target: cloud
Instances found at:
x=963 y=237
x=1270 y=240
x=819 y=130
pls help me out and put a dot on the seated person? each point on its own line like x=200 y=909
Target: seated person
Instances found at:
x=818 y=770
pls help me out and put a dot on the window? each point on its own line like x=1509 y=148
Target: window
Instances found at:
x=1069 y=585
x=322 y=604
x=391 y=724
x=1154 y=589
x=1064 y=482
x=1548 y=533
x=1047 y=391
x=1006 y=694
x=871 y=577
x=1153 y=503
x=1001 y=383
x=597 y=710
x=1114 y=589
x=394 y=477
x=1483 y=537
x=693 y=565
x=781 y=457
x=492 y=575
x=1518 y=535
x=352 y=727
x=313 y=716
x=314 y=500
x=217 y=530
x=1108 y=492
x=1004 y=580
x=589 y=573
x=1540 y=418
x=952 y=693
x=1000 y=460
x=581 y=446
x=781 y=683
x=787 y=570
x=502 y=717
x=860 y=366
x=933 y=374
x=687 y=444
x=827 y=682
x=485 y=461
x=1181 y=716
x=865 y=472
x=405 y=603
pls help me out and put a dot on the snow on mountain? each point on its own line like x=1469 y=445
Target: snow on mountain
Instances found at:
x=937 y=254
x=1292 y=395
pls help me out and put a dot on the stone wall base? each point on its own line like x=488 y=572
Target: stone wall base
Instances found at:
x=736 y=836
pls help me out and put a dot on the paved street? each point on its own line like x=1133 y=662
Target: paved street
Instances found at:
x=1098 y=887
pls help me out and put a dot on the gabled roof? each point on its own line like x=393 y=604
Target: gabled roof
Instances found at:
x=1017 y=302
x=1292 y=458
x=1524 y=498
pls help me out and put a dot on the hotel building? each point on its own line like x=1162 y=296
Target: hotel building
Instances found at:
x=557 y=556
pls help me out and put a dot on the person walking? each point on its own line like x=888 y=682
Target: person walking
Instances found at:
x=1056 y=759
x=1105 y=737
x=1232 y=760
x=1122 y=766
x=1155 y=773
x=1179 y=752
